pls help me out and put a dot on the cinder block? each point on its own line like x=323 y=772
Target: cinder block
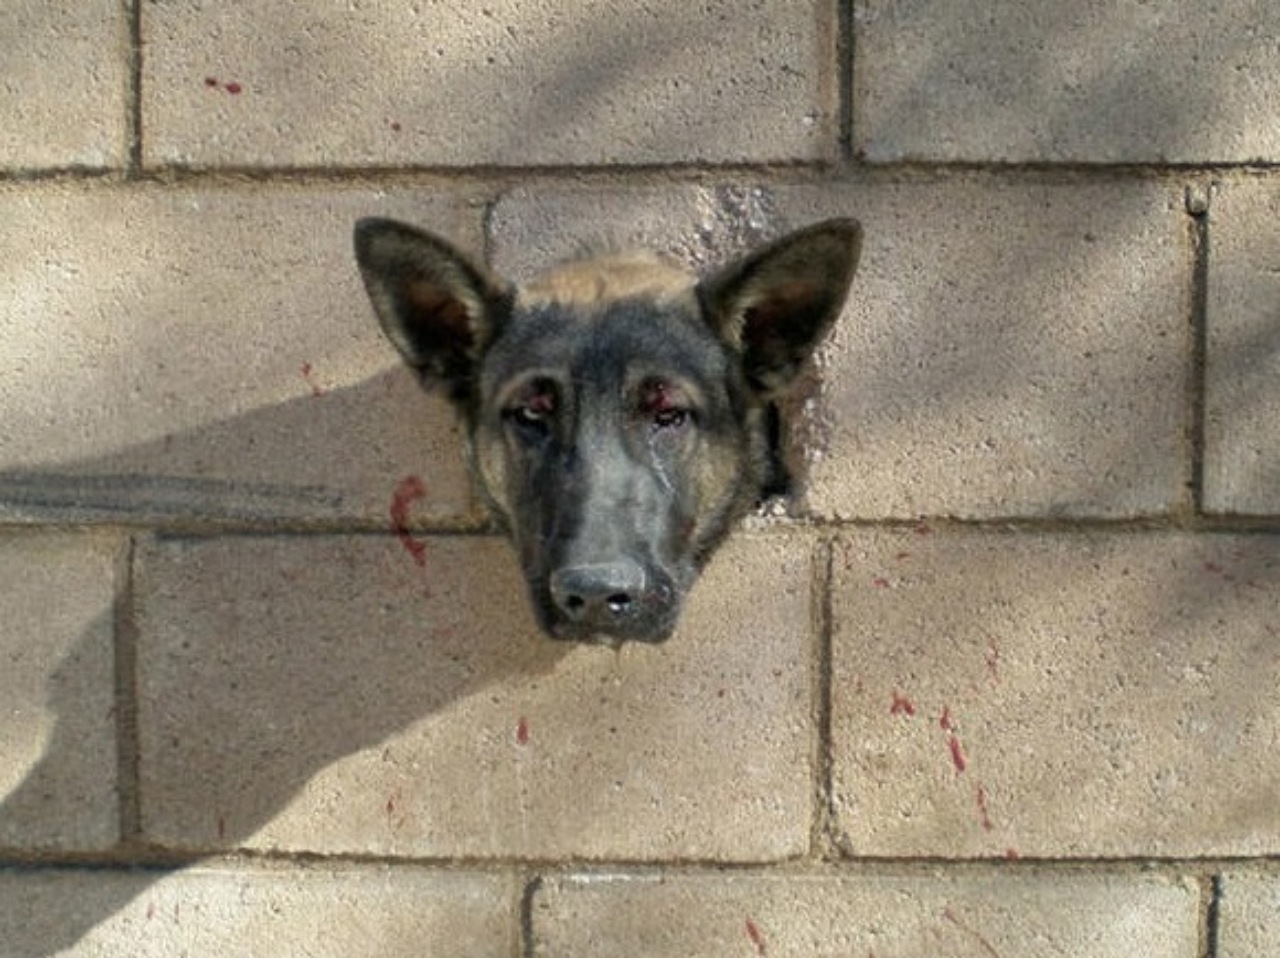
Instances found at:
x=65 y=85
x=1013 y=347
x=506 y=83
x=57 y=686
x=1056 y=695
x=965 y=915
x=221 y=912
x=209 y=353
x=1249 y=916
x=1083 y=82
x=330 y=695
x=1242 y=443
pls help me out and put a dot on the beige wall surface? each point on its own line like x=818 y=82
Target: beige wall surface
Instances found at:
x=1001 y=678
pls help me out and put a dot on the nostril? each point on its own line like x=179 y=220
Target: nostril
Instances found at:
x=602 y=594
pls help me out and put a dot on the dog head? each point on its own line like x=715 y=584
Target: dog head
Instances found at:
x=617 y=408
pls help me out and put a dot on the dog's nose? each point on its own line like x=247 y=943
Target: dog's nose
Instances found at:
x=601 y=595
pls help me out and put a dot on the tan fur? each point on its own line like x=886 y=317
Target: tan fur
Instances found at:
x=602 y=279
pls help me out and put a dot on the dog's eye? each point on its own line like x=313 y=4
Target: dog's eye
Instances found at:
x=534 y=408
x=663 y=405
x=670 y=418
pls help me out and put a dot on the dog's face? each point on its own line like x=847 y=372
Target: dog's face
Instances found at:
x=616 y=409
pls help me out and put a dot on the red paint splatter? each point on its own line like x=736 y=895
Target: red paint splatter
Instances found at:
x=409 y=490
x=1012 y=854
x=880 y=582
x=984 y=813
x=232 y=87
x=902 y=705
x=757 y=939
x=953 y=741
x=522 y=731
x=923 y=529
x=316 y=389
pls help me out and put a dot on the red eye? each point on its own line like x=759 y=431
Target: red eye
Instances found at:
x=534 y=406
x=663 y=404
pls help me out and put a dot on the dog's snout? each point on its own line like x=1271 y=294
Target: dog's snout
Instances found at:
x=601 y=595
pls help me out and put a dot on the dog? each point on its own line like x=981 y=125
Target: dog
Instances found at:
x=620 y=413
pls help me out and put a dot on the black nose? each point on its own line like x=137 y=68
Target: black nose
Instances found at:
x=600 y=596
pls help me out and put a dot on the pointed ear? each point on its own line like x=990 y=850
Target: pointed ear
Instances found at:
x=436 y=306
x=775 y=304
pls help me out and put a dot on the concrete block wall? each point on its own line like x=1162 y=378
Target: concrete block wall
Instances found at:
x=1004 y=679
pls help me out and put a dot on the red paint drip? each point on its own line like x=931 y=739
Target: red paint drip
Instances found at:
x=522 y=731
x=409 y=490
x=984 y=813
x=880 y=582
x=233 y=88
x=757 y=939
x=993 y=661
x=902 y=705
x=953 y=741
x=316 y=389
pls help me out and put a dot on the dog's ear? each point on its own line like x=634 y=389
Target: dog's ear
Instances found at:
x=775 y=304
x=437 y=306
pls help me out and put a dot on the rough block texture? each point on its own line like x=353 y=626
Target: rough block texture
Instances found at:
x=504 y=83
x=972 y=916
x=1082 y=695
x=998 y=679
x=224 y=912
x=57 y=724
x=352 y=701
x=1242 y=450
x=1249 y=916
x=975 y=372
x=208 y=354
x=1039 y=80
x=63 y=94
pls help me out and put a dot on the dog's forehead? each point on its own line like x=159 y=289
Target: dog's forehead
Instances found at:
x=607 y=339
x=608 y=278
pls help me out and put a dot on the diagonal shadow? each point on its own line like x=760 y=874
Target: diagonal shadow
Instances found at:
x=252 y=733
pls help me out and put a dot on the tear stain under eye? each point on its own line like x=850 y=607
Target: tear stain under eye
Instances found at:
x=659 y=468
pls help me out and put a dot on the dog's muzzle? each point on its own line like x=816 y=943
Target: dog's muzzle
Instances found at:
x=620 y=599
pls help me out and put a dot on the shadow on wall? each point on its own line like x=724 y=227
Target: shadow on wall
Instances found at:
x=278 y=664
x=1037 y=81
x=351 y=695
